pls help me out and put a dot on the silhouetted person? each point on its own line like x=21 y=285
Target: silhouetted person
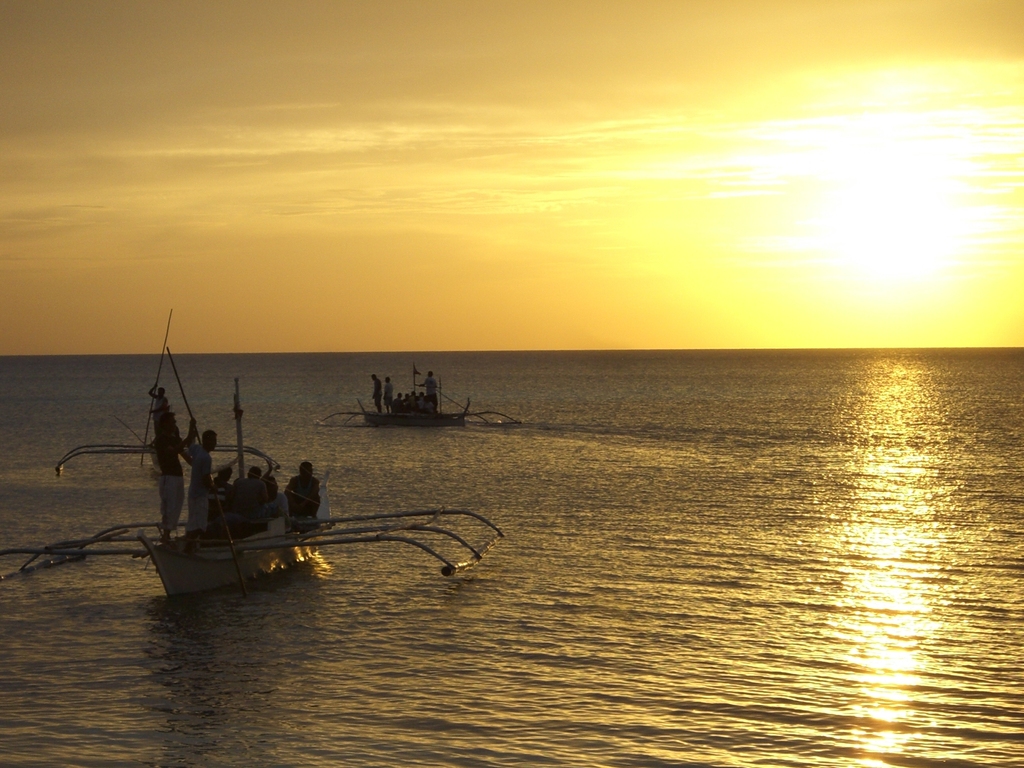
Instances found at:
x=169 y=445
x=430 y=390
x=277 y=502
x=222 y=491
x=160 y=406
x=389 y=393
x=303 y=492
x=377 y=393
x=250 y=493
x=200 y=485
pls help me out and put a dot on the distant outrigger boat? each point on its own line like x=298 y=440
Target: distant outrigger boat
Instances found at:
x=374 y=418
x=213 y=563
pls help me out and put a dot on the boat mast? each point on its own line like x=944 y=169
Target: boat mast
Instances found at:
x=238 y=432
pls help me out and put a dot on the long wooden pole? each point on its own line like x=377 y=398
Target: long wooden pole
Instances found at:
x=149 y=417
x=231 y=545
x=180 y=388
x=223 y=517
x=238 y=432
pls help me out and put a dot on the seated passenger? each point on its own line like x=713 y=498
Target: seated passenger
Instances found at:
x=250 y=494
x=221 y=493
x=396 y=404
x=303 y=492
x=277 y=504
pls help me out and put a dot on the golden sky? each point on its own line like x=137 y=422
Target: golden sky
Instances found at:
x=345 y=176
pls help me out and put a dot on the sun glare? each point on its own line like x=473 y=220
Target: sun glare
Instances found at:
x=891 y=218
x=891 y=178
x=891 y=210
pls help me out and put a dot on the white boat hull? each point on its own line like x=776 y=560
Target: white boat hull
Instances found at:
x=212 y=567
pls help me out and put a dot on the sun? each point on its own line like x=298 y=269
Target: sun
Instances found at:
x=891 y=206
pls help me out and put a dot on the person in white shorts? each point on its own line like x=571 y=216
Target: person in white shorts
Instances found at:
x=169 y=446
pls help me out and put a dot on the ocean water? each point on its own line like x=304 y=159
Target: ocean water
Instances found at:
x=711 y=559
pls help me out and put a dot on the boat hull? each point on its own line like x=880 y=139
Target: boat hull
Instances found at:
x=212 y=567
x=415 y=419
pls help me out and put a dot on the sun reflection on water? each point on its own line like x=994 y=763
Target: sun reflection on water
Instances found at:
x=889 y=541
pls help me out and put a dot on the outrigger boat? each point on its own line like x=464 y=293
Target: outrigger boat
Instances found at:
x=271 y=544
x=458 y=418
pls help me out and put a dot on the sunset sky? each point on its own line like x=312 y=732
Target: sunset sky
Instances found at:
x=557 y=175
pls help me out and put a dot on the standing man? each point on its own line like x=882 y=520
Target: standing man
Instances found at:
x=389 y=393
x=377 y=393
x=160 y=407
x=430 y=389
x=200 y=486
x=169 y=446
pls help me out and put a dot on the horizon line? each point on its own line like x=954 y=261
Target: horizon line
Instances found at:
x=534 y=351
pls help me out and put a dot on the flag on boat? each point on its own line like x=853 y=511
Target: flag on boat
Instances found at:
x=414 y=371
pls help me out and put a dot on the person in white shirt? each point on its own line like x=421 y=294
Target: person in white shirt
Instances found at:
x=200 y=485
x=430 y=389
x=389 y=393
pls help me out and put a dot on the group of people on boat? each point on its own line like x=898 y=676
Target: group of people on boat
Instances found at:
x=215 y=505
x=425 y=402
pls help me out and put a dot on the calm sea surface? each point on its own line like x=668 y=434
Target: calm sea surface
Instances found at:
x=711 y=559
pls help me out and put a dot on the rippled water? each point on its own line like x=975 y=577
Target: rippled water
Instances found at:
x=717 y=558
